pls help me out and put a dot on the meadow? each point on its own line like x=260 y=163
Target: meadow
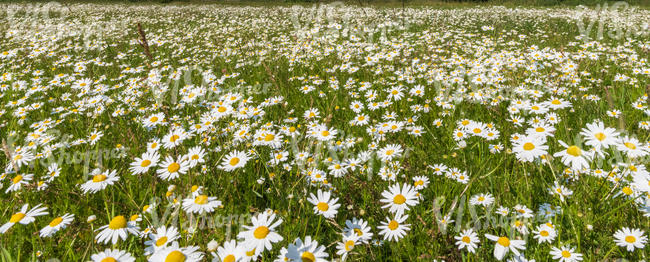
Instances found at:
x=324 y=132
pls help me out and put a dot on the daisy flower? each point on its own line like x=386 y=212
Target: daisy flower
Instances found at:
x=544 y=234
x=21 y=158
x=24 y=217
x=482 y=199
x=53 y=171
x=261 y=234
x=599 y=136
x=565 y=254
x=94 y=137
x=632 y=147
x=574 y=157
x=99 y=181
x=309 y=250
x=195 y=156
x=468 y=239
x=174 y=138
x=560 y=190
x=360 y=228
x=153 y=120
x=18 y=181
x=234 y=160
x=614 y=113
x=528 y=148
x=160 y=239
x=389 y=152
x=420 y=182
x=630 y=238
x=394 y=229
x=142 y=164
x=201 y=204
x=175 y=253
x=117 y=228
x=115 y=255
x=56 y=224
x=154 y=145
x=324 y=204
x=398 y=200
x=230 y=251
x=322 y=133
x=523 y=211
x=170 y=169
x=504 y=244
x=346 y=245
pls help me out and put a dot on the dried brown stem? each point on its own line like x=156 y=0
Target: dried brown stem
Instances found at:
x=144 y=44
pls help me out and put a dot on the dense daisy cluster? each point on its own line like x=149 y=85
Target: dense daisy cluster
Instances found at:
x=341 y=132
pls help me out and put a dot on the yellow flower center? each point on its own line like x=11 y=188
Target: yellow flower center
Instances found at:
x=174 y=138
x=145 y=163
x=229 y=258
x=529 y=146
x=308 y=257
x=477 y=130
x=349 y=245
x=600 y=136
x=393 y=225
x=630 y=145
x=99 y=178
x=153 y=119
x=15 y=218
x=269 y=137
x=117 y=223
x=566 y=253
x=540 y=129
x=627 y=190
x=173 y=167
x=399 y=199
x=466 y=239
x=201 y=200
x=221 y=109
x=109 y=259
x=630 y=239
x=250 y=253
x=56 y=221
x=322 y=206
x=175 y=256
x=261 y=232
x=504 y=241
x=543 y=233
x=556 y=102
x=574 y=151
x=234 y=161
x=390 y=152
x=161 y=241
x=17 y=179
x=325 y=133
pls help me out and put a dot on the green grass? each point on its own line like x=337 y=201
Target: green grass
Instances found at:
x=201 y=33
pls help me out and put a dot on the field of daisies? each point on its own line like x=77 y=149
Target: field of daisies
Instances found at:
x=328 y=132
